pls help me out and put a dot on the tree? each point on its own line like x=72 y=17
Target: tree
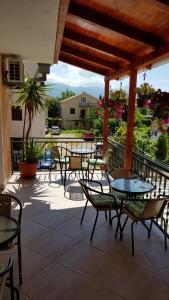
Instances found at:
x=162 y=147
x=53 y=108
x=66 y=94
x=33 y=98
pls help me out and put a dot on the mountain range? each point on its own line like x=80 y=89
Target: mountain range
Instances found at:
x=56 y=89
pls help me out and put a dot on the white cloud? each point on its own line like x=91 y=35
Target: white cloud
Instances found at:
x=73 y=76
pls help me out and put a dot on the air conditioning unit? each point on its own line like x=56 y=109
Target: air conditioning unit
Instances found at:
x=14 y=70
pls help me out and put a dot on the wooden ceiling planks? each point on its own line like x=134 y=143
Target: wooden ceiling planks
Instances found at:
x=111 y=37
x=87 y=56
x=99 y=18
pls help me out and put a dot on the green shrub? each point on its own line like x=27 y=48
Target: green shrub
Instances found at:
x=162 y=147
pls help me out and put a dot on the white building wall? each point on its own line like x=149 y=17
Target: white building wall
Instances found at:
x=16 y=127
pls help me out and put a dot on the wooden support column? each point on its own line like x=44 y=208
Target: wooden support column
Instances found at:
x=130 y=119
x=106 y=115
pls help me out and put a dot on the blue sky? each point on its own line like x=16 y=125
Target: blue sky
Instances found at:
x=73 y=76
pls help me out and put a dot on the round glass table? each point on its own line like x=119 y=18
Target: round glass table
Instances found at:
x=132 y=186
x=81 y=151
x=8 y=230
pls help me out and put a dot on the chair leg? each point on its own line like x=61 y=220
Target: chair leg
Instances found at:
x=19 y=259
x=165 y=233
x=110 y=219
x=149 y=230
x=132 y=237
x=50 y=170
x=11 y=285
x=105 y=214
x=94 y=226
x=81 y=221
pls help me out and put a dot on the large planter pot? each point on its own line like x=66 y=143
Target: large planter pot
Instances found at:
x=27 y=170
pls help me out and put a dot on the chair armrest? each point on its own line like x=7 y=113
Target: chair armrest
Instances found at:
x=20 y=208
x=92 y=181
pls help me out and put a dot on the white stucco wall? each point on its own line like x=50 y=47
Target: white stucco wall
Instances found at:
x=16 y=127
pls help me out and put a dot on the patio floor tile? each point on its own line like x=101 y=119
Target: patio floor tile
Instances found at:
x=60 y=262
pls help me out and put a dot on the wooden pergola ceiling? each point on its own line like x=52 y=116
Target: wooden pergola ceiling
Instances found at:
x=111 y=37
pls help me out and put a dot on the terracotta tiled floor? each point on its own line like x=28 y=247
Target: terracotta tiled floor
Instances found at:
x=59 y=262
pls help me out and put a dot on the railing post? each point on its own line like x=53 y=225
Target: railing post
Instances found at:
x=130 y=120
x=106 y=115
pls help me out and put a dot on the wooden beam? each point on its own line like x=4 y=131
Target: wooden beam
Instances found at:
x=149 y=59
x=130 y=120
x=161 y=4
x=63 y=9
x=87 y=56
x=106 y=116
x=109 y=22
x=83 y=65
x=164 y=2
x=96 y=44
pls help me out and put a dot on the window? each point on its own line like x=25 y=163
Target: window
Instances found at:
x=72 y=111
x=83 y=100
x=16 y=114
x=76 y=123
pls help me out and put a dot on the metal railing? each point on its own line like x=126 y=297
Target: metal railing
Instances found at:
x=46 y=143
x=155 y=172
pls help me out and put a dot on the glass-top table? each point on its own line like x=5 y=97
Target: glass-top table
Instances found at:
x=81 y=151
x=8 y=230
x=132 y=186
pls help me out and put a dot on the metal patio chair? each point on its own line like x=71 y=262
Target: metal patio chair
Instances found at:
x=146 y=209
x=76 y=163
x=100 y=201
x=11 y=226
x=59 y=155
x=6 y=279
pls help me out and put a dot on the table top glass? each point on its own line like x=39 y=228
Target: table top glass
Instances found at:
x=8 y=229
x=132 y=186
x=82 y=151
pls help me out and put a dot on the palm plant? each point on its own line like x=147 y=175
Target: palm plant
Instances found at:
x=32 y=97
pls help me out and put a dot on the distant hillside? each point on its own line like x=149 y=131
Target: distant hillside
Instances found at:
x=56 y=89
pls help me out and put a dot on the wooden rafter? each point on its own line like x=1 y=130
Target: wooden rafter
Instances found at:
x=106 y=21
x=165 y=2
x=63 y=9
x=99 y=45
x=72 y=60
x=159 y=54
x=87 y=56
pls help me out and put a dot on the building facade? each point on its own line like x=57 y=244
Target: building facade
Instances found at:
x=74 y=110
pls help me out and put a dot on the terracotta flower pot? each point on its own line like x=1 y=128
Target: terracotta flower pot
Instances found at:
x=27 y=170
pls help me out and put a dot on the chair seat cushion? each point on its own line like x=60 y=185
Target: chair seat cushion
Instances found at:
x=63 y=160
x=120 y=196
x=136 y=207
x=100 y=201
x=85 y=165
x=97 y=162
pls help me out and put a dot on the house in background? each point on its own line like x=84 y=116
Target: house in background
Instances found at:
x=74 y=110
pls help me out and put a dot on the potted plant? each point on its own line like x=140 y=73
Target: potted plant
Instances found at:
x=144 y=94
x=32 y=97
x=119 y=97
x=159 y=105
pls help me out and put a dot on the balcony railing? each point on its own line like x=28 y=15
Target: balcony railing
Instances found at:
x=46 y=143
x=154 y=171
x=87 y=104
